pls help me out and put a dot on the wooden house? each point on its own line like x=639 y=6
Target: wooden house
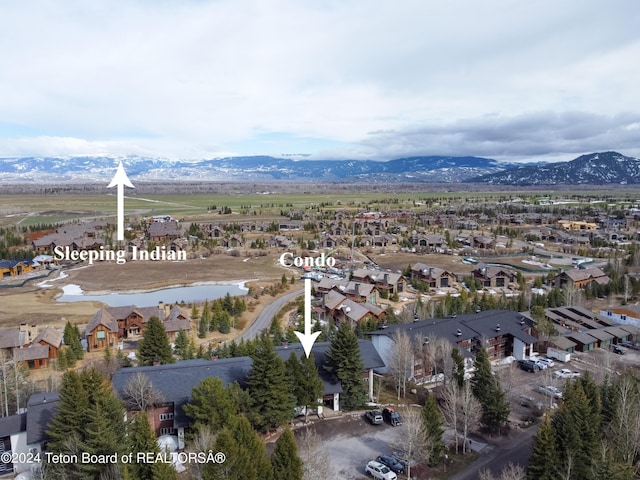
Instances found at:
x=435 y=277
x=494 y=276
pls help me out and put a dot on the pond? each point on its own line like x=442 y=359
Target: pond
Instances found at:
x=189 y=294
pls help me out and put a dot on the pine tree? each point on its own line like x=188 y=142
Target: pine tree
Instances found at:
x=543 y=463
x=269 y=388
x=486 y=388
x=154 y=345
x=458 y=368
x=284 y=460
x=307 y=387
x=346 y=363
x=181 y=344
x=245 y=454
x=71 y=337
x=89 y=418
x=434 y=429
x=142 y=439
x=211 y=404
x=71 y=413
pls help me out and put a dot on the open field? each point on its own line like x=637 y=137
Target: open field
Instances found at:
x=257 y=201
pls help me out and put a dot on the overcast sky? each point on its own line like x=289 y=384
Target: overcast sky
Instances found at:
x=505 y=79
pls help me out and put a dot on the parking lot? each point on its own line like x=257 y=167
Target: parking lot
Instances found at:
x=351 y=441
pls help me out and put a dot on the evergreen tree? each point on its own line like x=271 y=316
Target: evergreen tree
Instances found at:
x=71 y=338
x=543 y=463
x=211 y=404
x=346 y=363
x=181 y=344
x=434 y=429
x=269 y=388
x=284 y=460
x=486 y=388
x=89 y=418
x=141 y=439
x=458 y=367
x=71 y=412
x=306 y=384
x=154 y=345
x=577 y=440
x=245 y=454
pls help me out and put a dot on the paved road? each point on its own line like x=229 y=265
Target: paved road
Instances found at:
x=264 y=318
x=516 y=450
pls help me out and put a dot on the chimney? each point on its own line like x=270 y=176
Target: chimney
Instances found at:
x=156 y=362
x=357 y=289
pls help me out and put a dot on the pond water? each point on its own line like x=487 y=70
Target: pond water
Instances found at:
x=193 y=293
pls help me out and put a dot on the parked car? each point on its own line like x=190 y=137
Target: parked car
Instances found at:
x=617 y=349
x=550 y=391
x=565 y=373
x=391 y=416
x=528 y=366
x=548 y=362
x=379 y=471
x=542 y=365
x=391 y=462
x=374 y=417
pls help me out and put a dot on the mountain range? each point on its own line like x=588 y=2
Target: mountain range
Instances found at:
x=596 y=168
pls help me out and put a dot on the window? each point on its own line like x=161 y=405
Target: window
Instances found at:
x=167 y=431
x=166 y=416
x=101 y=335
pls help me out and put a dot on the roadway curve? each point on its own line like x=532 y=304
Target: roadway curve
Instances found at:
x=263 y=321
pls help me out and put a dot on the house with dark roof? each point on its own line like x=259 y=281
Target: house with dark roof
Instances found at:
x=503 y=333
x=175 y=381
x=12 y=439
x=13 y=268
x=332 y=388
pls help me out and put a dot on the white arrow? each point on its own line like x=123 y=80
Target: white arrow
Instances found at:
x=307 y=339
x=120 y=179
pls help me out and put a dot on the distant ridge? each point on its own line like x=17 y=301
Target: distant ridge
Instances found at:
x=595 y=168
x=250 y=168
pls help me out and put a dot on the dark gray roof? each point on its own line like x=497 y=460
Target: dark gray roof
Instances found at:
x=13 y=424
x=176 y=380
x=469 y=326
x=41 y=408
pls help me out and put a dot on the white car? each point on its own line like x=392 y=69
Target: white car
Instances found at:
x=565 y=373
x=379 y=471
x=542 y=365
x=550 y=391
x=548 y=362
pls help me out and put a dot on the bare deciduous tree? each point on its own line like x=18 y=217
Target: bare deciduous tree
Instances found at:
x=411 y=438
x=401 y=361
x=139 y=393
x=451 y=399
x=470 y=412
x=510 y=472
x=314 y=456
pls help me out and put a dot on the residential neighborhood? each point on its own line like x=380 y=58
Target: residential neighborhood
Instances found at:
x=516 y=290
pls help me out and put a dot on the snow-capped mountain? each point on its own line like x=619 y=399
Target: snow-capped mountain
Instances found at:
x=595 y=168
x=252 y=168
